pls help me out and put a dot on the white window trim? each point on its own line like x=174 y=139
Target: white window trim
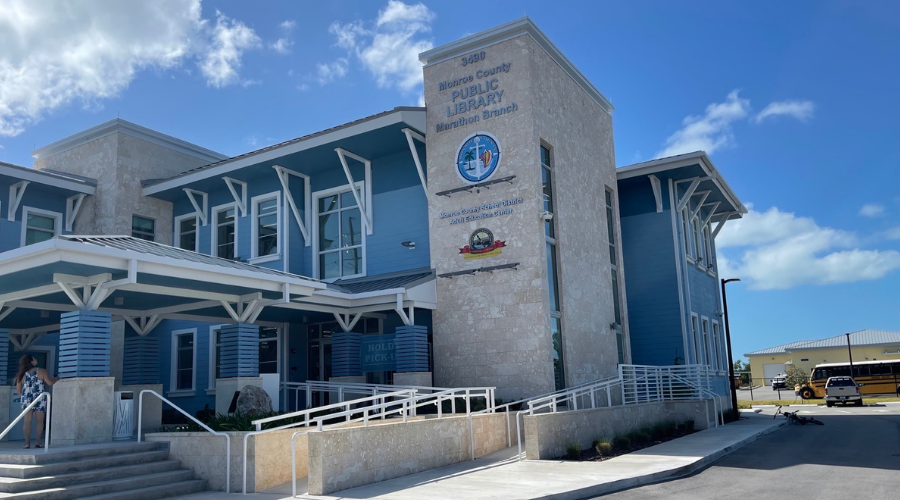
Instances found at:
x=686 y=236
x=254 y=228
x=211 y=385
x=696 y=338
x=315 y=230
x=173 y=367
x=151 y=219
x=57 y=225
x=177 y=236
x=214 y=233
x=697 y=233
x=724 y=362
x=708 y=355
x=715 y=333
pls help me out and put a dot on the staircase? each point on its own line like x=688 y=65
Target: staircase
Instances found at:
x=132 y=471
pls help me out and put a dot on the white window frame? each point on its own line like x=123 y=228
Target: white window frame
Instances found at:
x=315 y=229
x=177 y=236
x=255 y=258
x=686 y=236
x=710 y=255
x=151 y=219
x=57 y=225
x=705 y=334
x=173 y=367
x=720 y=346
x=214 y=232
x=695 y=337
x=697 y=234
x=213 y=357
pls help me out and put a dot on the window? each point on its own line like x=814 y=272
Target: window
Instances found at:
x=184 y=362
x=698 y=243
x=266 y=220
x=614 y=272
x=340 y=241
x=143 y=228
x=552 y=271
x=215 y=342
x=39 y=225
x=224 y=236
x=707 y=348
x=186 y=233
x=686 y=231
x=707 y=245
x=695 y=333
x=720 y=361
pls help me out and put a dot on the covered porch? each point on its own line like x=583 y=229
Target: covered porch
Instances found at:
x=115 y=313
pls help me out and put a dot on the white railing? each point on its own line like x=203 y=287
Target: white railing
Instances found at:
x=28 y=409
x=645 y=383
x=405 y=407
x=201 y=424
x=343 y=389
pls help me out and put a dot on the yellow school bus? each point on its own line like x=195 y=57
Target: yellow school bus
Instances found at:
x=876 y=377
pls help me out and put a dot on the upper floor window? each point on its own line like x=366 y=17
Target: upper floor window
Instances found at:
x=40 y=225
x=340 y=241
x=224 y=232
x=547 y=185
x=266 y=220
x=707 y=245
x=143 y=228
x=186 y=232
x=698 y=241
x=686 y=232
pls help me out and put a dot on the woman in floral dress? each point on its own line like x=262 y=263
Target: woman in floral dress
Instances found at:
x=30 y=382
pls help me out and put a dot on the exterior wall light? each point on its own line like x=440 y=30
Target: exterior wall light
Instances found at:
x=547 y=216
x=409 y=244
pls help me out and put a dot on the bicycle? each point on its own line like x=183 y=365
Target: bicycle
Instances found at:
x=797 y=419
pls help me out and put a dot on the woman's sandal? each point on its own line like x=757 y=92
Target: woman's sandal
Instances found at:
x=27 y=446
x=39 y=445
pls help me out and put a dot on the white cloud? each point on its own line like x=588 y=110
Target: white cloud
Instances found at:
x=892 y=233
x=283 y=45
x=326 y=73
x=779 y=250
x=710 y=131
x=288 y=24
x=390 y=48
x=801 y=110
x=872 y=210
x=230 y=39
x=56 y=54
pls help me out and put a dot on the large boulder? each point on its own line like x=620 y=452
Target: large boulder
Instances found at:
x=253 y=401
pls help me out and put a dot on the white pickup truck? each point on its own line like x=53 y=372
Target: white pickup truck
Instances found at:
x=842 y=390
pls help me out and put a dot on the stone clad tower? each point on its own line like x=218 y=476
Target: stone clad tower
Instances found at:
x=520 y=162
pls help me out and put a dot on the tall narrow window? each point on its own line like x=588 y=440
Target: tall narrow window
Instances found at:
x=39 y=225
x=717 y=346
x=340 y=243
x=695 y=335
x=186 y=233
x=552 y=271
x=707 y=348
x=226 y=242
x=614 y=272
x=698 y=243
x=268 y=350
x=707 y=244
x=686 y=231
x=143 y=228
x=183 y=365
x=265 y=230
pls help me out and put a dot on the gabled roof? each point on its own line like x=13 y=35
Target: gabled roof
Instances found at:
x=60 y=180
x=412 y=116
x=507 y=31
x=862 y=338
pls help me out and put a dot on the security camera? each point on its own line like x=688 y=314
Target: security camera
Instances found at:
x=547 y=216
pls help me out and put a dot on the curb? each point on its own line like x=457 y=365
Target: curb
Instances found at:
x=659 y=477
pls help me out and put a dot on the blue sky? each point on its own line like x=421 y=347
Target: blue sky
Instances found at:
x=796 y=102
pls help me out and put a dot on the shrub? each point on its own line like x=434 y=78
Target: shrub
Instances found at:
x=573 y=450
x=689 y=426
x=638 y=438
x=622 y=443
x=665 y=430
x=604 y=447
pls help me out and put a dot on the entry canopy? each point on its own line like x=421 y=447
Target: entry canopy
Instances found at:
x=144 y=282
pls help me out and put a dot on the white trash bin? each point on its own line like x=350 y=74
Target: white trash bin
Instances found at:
x=124 y=419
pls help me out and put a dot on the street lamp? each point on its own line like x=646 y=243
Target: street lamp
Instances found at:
x=728 y=341
x=849 y=353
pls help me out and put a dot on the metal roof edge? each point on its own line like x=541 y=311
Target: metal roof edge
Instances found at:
x=517 y=27
x=78 y=184
x=127 y=128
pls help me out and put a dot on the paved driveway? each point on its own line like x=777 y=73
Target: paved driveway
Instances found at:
x=856 y=454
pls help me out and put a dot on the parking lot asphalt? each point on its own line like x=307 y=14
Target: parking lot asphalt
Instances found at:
x=856 y=454
x=766 y=393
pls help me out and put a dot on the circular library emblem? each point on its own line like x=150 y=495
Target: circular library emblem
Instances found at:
x=477 y=158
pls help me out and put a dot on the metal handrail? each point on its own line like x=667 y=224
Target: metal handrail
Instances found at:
x=201 y=424
x=343 y=388
x=26 y=410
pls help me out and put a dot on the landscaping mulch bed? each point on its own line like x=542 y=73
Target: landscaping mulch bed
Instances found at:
x=633 y=441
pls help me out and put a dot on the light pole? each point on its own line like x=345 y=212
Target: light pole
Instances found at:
x=849 y=353
x=728 y=341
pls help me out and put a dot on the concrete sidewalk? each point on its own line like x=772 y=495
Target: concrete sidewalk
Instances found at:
x=500 y=475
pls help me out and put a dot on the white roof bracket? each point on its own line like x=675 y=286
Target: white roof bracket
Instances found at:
x=700 y=203
x=722 y=222
x=410 y=135
x=241 y=200
x=687 y=195
x=200 y=211
x=73 y=204
x=305 y=222
x=365 y=208
x=657 y=192
x=712 y=211
x=7 y=312
x=16 y=192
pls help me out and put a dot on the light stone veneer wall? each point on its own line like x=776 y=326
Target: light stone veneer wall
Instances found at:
x=547 y=435
x=349 y=457
x=119 y=162
x=268 y=457
x=493 y=329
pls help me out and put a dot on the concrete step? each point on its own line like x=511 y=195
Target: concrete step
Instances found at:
x=155 y=492
x=69 y=453
x=93 y=463
x=123 y=486
x=13 y=485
